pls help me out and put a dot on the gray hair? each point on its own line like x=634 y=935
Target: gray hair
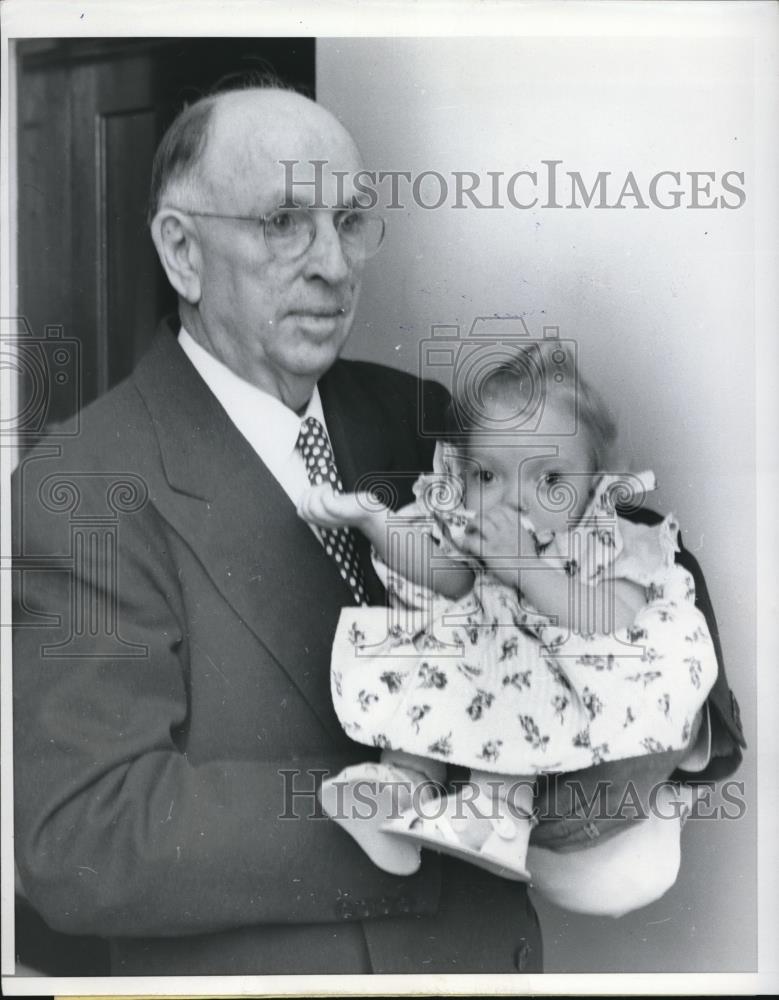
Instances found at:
x=509 y=380
x=181 y=149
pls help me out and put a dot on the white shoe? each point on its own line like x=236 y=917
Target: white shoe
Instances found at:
x=384 y=791
x=503 y=852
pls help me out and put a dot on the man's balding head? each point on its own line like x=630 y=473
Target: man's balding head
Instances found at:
x=213 y=144
x=276 y=319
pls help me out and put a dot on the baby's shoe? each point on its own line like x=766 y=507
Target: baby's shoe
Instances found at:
x=443 y=827
x=363 y=798
x=624 y=872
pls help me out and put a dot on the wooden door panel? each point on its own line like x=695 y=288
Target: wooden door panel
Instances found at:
x=91 y=112
x=128 y=266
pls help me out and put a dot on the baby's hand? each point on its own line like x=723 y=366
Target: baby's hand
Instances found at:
x=499 y=534
x=322 y=506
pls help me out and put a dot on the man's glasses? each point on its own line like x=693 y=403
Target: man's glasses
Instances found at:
x=289 y=232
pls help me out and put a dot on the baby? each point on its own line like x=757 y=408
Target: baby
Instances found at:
x=534 y=629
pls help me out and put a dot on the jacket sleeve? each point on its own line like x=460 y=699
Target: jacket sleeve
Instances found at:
x=117 y=831
x=727 y=735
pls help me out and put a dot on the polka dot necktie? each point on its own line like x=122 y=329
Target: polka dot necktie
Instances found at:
x=338 y=542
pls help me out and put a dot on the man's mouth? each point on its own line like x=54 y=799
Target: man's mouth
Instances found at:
x=319 y=321
x=320 y=312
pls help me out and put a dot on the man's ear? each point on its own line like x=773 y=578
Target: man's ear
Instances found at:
x=179 y=252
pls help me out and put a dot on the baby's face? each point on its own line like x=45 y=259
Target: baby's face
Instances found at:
x=550 y=481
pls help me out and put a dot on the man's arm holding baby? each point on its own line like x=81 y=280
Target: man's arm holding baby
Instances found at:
x=413 y=552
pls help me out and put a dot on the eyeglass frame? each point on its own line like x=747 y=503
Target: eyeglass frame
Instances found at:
x=301 y=209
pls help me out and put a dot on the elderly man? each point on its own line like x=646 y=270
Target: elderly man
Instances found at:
x=157 y=800
x=166 y=750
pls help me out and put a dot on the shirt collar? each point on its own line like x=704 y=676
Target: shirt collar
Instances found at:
x=270 y=426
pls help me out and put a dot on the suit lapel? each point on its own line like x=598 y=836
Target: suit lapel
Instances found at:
x=360 y=446
x=233 y=513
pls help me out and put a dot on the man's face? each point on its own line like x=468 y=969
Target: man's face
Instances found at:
x=274 y=321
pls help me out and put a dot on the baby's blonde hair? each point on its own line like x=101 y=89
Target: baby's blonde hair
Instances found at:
x=534 y=374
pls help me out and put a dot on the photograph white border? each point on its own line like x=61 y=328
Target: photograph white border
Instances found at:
x=756 y=20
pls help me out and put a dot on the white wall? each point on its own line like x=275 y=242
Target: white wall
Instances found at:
x=660 y=302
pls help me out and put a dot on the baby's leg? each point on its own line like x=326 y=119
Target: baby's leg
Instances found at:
x=581 y=808
x=364 y=797
x=432 y=770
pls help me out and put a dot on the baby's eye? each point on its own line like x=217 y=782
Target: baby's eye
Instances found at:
x=552 y=478
x=484 y=475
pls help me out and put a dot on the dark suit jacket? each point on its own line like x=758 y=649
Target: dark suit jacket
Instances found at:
x=171 y=667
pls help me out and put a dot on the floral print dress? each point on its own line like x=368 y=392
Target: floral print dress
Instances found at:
x=487 y=682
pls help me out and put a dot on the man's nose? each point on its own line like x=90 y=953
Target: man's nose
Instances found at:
x=325 y=257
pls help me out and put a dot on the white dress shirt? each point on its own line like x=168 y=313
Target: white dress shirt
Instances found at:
x=270 y=427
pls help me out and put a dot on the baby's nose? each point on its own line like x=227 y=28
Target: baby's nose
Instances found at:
x=516 y=494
